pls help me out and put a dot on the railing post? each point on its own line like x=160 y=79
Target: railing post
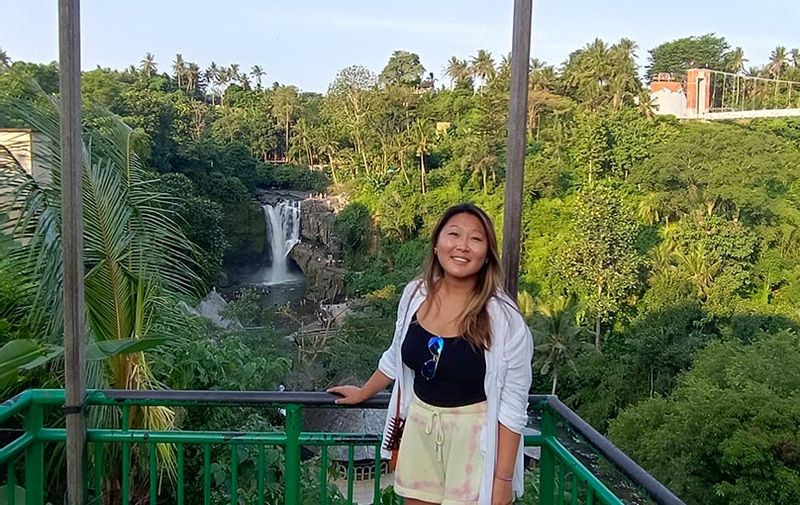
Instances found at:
x=34 y=457
x=291 y=473
x=547 y=468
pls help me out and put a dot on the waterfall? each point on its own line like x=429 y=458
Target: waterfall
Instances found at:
x=283 y=232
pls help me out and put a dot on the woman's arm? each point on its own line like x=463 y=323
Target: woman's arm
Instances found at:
x=387 y=366
x=353 y=394
x=507 y=447
x=513 y=411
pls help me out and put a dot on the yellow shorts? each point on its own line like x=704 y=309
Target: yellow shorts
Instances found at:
x=440 y=459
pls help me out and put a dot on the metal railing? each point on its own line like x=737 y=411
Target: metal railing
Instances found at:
x=562 y=477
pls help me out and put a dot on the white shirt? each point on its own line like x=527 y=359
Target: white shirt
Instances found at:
x=507 y=382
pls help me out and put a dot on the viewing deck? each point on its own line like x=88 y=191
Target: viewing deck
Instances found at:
x=126 y=465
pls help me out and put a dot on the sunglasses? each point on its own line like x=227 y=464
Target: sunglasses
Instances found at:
x=435 y=346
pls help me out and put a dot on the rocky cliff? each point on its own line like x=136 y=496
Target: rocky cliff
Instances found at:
x=319 y=252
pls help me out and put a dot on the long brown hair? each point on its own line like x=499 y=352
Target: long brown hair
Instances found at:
x=473 y=322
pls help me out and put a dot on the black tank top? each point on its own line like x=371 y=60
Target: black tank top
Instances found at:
x=459 y=375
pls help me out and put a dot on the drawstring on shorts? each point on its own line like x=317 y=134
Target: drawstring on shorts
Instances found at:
x=435 y=423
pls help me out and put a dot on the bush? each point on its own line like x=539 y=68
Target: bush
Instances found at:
x=352 y=227
x=290 y=177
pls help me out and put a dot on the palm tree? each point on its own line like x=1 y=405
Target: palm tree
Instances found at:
x=662 y=256
x=257 y=72
x=590 y=71
x=456 y=69
x=148 y=65
x=558 y=337
x=284 y=105
x=328 y=144
x=179 y=68
x=136 y=259
x=422 y=147
x=5 y=61
x=302 y=134
x=235 y=75
x=192 y=74
x=737 y=61
x=212 y=74
x=223 y=78
x=777 y=61
x=646 y=105
x=700 y=268
x=482 y=66
x=794 y=57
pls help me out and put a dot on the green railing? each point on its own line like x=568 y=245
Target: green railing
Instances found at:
x=37 y=417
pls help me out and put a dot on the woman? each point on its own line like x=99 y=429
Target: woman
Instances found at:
x=461 y=365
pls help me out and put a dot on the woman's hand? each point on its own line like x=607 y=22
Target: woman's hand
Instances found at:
x=502 y=493
x=350 y=395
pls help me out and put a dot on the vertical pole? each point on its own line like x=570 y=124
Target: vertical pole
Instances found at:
x=291 y=473
x=34 y=458
x=547 y=469
x=72 y=238
x=515 y=162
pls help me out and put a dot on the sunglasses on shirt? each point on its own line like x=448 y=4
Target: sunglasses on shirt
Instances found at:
x=435 y=346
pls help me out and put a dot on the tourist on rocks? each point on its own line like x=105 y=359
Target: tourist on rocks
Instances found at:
x=460 y=361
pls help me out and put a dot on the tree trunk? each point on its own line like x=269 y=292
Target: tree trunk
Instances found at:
x=597 y=321
x=286 y=155
x=597 y=332
x=402 y=157
x=422 y=169
x=652 y=387
x=310 y=156
x=555 y=381
x=333 y=170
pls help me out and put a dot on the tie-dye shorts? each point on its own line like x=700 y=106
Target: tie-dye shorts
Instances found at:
x=440 y=459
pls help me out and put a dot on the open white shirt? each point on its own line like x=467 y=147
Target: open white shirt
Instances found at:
x=507 y=382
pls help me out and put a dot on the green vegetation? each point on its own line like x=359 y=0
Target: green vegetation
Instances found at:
x=660 y=260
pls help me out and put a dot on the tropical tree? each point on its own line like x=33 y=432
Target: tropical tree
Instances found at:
x=737 y=61
x=348 y=104
x=558 y=337
x=403 y=69
x=677 y=56
x=701 y=268
x=179 y=68
x=778 y=60
x=456 y=69
x=192 y=76
x=794 y=57
x=258 y=73
x=600 y=260
x=284 y=106
x=422 y=147
x=136 y=259
x=212 y=76
x=482 y=67
x=148 y=65
x=5 y=61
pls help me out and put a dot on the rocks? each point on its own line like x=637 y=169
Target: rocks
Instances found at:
x=273 y=196
x=324 y=280
x=211 y=308
x=317 y=226
x=246 y=232
x=319 y=252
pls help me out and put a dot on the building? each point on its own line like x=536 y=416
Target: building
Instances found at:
x=26 y=147
x=668 y=96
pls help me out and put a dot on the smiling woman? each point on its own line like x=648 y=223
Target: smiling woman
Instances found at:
x=460 y=362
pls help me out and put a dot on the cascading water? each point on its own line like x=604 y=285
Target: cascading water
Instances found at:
x=283 y=231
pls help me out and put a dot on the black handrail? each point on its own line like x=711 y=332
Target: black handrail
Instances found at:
x=659 y=492
x=625 y=464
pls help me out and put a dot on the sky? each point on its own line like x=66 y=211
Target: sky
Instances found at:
x=306 y=42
